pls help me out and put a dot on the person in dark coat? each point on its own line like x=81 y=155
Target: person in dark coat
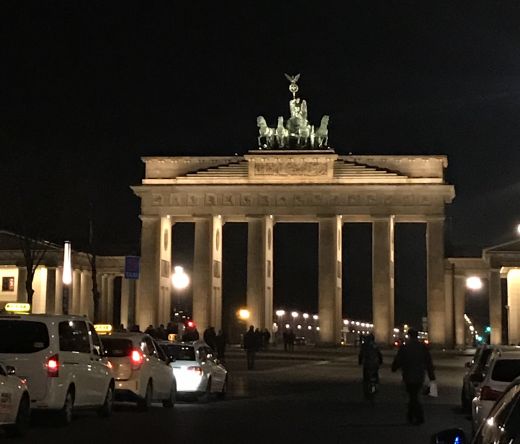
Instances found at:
x=251 y=347
x=266 y=336
x=209 y=336
x=414 y=360
x=370 y=358
x=220 y=341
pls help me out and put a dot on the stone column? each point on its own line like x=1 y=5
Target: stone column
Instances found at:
x=75 y=292
x=154 y=282
x=435 y=280
x=50 y=292
x=449 y=271
x=383 y=278
x=260 y=271
x=109 y=308
x=104 y=296
x=125 y=301
x=58 y=302
x=459 y=310
x=207 y=273
x=21 y=292
x=86 y=303
x=513 y=302
x=330 y=268
x=495 y=307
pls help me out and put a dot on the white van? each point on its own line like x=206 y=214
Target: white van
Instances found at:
x=61 y=358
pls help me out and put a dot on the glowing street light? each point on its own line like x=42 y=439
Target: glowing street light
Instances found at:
x=244 y=314
x=280 y=313
x=474 y=283
x=180 y=280
x=294 y=314
x=67 y=276
x=518 y=229
x=305 y=315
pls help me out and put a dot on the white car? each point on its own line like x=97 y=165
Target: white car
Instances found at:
x=502 y=368
x=60 y=357
x=15 y=404
x=141 y=370
x=196 y=369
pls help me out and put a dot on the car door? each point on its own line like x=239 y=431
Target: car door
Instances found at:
x=75 y=359
x=99 y=371
x=157 y=370
x=217 y=377
x=167 y=370
x=8 y=402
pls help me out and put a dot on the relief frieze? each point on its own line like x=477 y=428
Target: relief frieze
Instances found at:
x=290 y=169
x=287 y=199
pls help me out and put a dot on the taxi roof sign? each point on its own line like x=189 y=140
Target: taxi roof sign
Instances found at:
x=103 y=328
x=18 y=307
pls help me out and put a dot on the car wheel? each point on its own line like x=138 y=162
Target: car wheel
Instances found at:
x=170 y=402
x=23 y=419
x=145 y=403
x=65 y=414
x=106 y=409
x=223 y=392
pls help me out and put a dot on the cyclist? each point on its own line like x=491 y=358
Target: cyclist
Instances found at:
x=371 y=359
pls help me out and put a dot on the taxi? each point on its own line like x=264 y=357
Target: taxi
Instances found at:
x=141 y=370
x=197 y=370
x=15 y=405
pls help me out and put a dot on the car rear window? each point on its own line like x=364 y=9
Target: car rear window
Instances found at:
x=117 y=347
x=179 y=352
x=23 y=336
x=506 y=370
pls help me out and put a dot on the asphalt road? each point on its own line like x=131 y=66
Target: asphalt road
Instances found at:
x=308 y=396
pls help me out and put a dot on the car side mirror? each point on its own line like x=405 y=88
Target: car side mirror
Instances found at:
x=10 y=370
x=450 y=436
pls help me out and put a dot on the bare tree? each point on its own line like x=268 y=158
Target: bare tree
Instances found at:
x=92 y=256
x=33 y=252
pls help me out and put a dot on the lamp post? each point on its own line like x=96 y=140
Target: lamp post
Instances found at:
x=180 y=281
x=67 y=276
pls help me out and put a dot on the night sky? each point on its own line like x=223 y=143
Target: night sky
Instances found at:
x=89 y=87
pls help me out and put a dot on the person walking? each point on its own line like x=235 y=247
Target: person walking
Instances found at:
x=209 y=336
x=220 y=341
x=414 y=360
x=371 y=359
x=251 y=347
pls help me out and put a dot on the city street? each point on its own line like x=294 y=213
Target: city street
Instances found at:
x=305 y=396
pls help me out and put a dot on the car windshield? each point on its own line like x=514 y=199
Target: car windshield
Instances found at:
x=506 y=370
x=23 y=336
x=116 y=347
x=179 y=352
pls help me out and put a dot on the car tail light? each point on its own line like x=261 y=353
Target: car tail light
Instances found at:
x=137 y=358
x=196 y=368
x=488 y=394
x=53 y=367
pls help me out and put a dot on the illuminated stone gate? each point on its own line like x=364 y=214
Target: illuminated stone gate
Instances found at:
x=293 y=176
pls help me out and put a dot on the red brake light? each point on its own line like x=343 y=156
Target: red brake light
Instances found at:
x=191 y=324
x=137 y=358
x=488 y=394
x=196 y=368
x=53 y=367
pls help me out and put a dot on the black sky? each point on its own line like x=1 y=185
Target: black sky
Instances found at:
x=89 y=87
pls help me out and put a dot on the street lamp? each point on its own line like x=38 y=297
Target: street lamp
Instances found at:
x=180 y=281
x=67 y=276
x=474 y=283
x=243 y=314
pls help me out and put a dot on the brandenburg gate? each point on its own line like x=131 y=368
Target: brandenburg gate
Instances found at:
x=292 y=176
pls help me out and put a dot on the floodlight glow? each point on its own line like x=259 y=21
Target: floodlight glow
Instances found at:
x=280 y=312
x=180 y=280
x=305 y=315
x=294 y=314
x=474 y=283
x=315 y=317
x=244 y=314
x=67 y=264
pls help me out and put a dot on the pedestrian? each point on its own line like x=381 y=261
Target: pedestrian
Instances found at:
x=251 y=347
x=135 y=328
x=150 y=331
x=209 y=336
x=414 y=360
x=161 y=332
x=259 y=339
x=266 y=336
x=371 y=359
x=291 y=337
x=285 y=336
x=220 y=342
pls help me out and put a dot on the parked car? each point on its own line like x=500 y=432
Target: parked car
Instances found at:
x=141 y=370
x=61 y=358
x=502 y=425
x=502 y=368
x=474 y=375
x=196 y=369
x=15 y=403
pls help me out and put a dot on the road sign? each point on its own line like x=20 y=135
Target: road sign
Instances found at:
x=132 y=267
